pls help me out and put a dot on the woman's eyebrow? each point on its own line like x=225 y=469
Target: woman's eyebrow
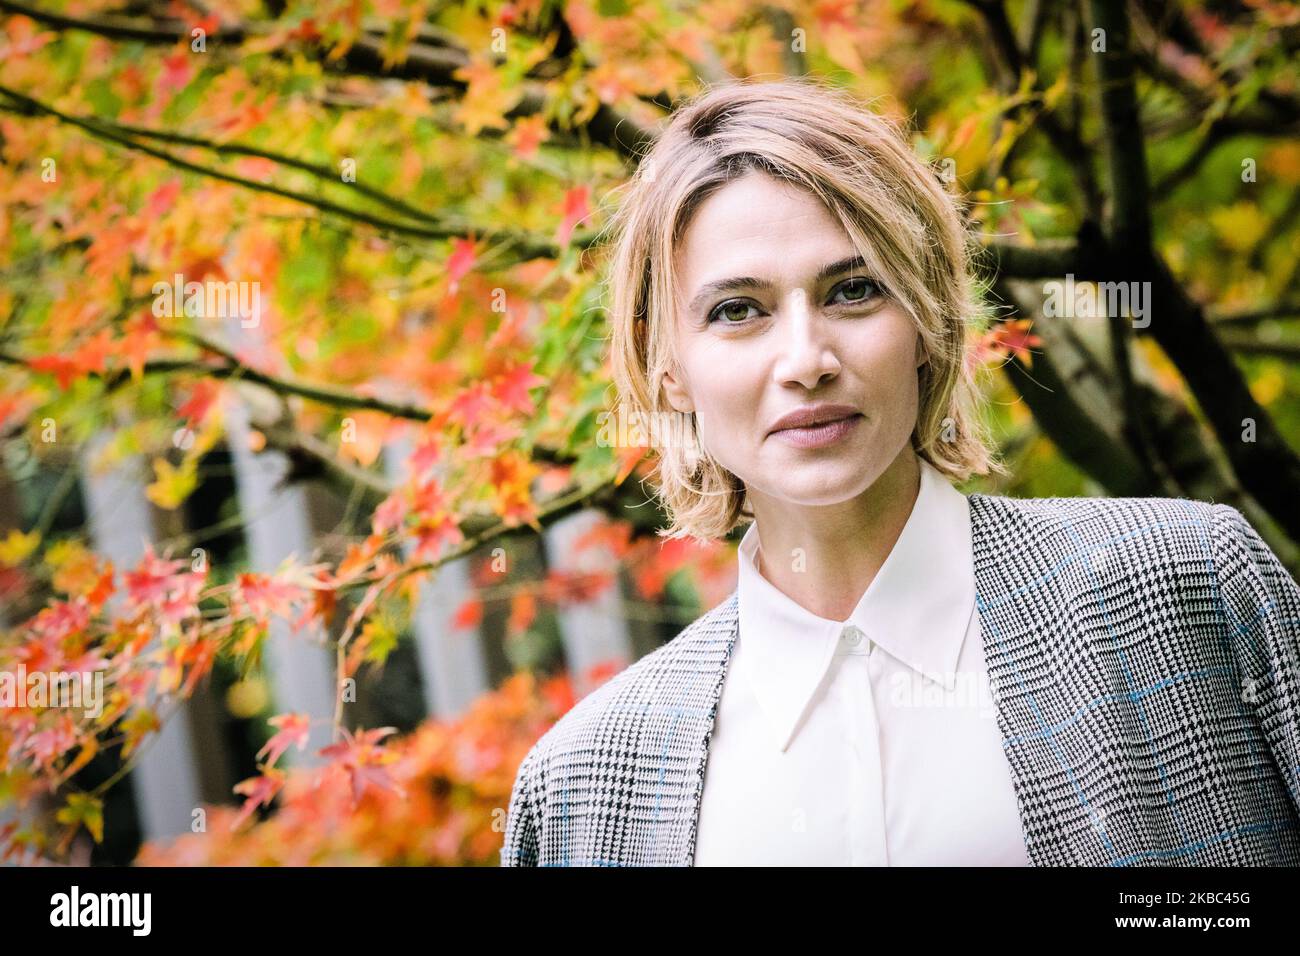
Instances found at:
x=740 y=283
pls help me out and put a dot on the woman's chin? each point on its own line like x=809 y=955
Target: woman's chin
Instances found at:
x=812 y=485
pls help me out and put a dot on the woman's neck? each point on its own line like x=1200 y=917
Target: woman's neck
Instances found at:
x=824 y=557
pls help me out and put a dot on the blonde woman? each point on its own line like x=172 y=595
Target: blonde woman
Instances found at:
x=905 y=675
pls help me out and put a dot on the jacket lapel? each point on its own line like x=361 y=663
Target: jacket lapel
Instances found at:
x=1041 y=669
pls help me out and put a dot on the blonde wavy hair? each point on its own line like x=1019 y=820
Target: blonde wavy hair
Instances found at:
x=902 y=221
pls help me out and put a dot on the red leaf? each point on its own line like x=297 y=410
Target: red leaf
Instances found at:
x=575 y=210
x=260 y=790
x=511 y=388
x=294 y=729
x=460 y=262
x=162 y=199
x=469 y=614
x=177 y=71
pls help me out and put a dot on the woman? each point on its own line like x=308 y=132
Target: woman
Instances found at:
x=904 y=675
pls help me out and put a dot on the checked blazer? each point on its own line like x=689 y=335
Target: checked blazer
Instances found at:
x=1143 y=657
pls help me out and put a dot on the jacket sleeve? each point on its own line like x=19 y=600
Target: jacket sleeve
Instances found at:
x=1261 y=602
x=523 y=816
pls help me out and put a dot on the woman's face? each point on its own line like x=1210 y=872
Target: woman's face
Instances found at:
x=765 y=330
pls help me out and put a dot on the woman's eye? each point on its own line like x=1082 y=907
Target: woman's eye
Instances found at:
x=859 y=289
x=733 y=312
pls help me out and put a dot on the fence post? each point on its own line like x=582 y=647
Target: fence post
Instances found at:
x=165 y=778
x=277 y=525
x=452 y=668
x=594 y=632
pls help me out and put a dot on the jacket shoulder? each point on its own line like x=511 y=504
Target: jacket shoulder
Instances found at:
x=690 y=654
x=1153 y=527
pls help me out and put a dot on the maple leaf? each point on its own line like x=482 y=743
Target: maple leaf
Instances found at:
x=204 y=396
x=260 y=791
x=162 y=199
x=52 y=742
x=460 y=262
x=488 y=437
x=199 y=656
x=511 y=388
x=575 y=209
x=89 y=747
x=265 y=595
x=15 y=407
x=602 y=671
x=17 y=547
x=523 y=611
x=142 y=721
x=365 y=761
x=76 y=571
x=208 y=24
x=468 y=615
x=614 y=536
x=173 y=484
x=84 y=809
x=177 y=71
x=358 y=558
x=527 y=135
x=152 y=579
x=306 y=31
x=90 y=356
x=467 y=407
x=427 y=454
x=23 y=38
x=390 y=512
x=193 y=654
x=294 y=729
x=628 y=457
x=1010 y=338
x=558 y=692
x=511 y=475
x=142 y=334
x=575 y=587
x=432 y=533
x=486 y=99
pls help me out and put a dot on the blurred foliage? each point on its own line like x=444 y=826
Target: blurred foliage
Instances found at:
x=412 y=192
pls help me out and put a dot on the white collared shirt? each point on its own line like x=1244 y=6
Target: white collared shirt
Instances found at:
x=866 y=742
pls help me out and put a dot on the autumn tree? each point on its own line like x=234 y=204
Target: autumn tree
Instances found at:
x=400 y=204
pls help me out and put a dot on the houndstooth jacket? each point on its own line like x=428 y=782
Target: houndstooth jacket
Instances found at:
x=1143 y=656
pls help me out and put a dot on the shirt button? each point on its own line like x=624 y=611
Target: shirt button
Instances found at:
x=852 y=636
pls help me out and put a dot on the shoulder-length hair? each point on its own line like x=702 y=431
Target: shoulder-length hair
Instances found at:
x=902 y=221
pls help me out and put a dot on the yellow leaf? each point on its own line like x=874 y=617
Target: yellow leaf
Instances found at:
x=142 y=722
x=83 y=808
x=88 y=750
x=1268 y=387
x=1239 y=226
x=173 y=485
x=17 y=546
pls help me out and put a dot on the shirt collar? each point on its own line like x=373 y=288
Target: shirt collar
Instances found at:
x=917 y=609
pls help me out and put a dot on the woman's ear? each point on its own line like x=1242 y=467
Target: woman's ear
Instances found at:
x=922 y=353
x=677 y=394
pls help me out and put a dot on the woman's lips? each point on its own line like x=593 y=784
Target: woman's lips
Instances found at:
x=819 y=436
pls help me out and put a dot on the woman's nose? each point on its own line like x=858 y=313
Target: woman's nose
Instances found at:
x=807 y=350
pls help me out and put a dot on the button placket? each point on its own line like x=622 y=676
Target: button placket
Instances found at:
x=867 y=837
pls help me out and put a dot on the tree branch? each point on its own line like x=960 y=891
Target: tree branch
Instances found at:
x=524 y=247
x=1013 y=64
x=432 y=64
